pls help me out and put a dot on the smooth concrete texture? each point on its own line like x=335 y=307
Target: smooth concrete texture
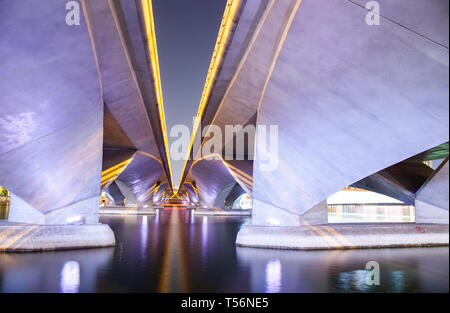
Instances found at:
x=432 y=200
x=213 y=176
x=141 y=176
x=21 y=212
x=17 y=237
x=130 y=198
x=130 y=96
x=323 y=237
x=52 y=111
x=57 y=81
x=114 y=194
x=269 y=215
x=350 y=100
x=431 y=20
x=245 y=89
x=220 y=199
x=428 y=213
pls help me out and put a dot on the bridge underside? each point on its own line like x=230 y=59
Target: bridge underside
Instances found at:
x=355 y=105
x=81 y=110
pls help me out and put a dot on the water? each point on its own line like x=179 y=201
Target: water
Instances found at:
x=177 y=252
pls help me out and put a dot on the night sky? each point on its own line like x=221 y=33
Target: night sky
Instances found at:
x=186 y=32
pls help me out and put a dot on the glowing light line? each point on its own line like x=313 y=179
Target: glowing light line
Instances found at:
x=152 y=48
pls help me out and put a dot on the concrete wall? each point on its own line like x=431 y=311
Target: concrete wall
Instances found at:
x=52 y=112
x=432 y=200
x=352 y=99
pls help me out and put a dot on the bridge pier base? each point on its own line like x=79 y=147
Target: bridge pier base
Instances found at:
x=21 y=237
x=343 y=236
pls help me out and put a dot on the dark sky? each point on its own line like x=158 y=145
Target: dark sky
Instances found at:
x=186 y=32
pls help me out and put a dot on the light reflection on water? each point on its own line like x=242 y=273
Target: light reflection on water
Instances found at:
x=70 y=277
x=146 y=258
x=273 y=276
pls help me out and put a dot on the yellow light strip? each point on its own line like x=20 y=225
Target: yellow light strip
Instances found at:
x=240 y=172
x=338 y=235
x=149 y=191
x=114 y=171
x=156 y=190
x=151 y=41
x=222 y=38
x=242 y=179
x=115 y=167
x=332 y=241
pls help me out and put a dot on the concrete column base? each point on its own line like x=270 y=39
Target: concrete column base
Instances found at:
x=343 y=236
x=16 y=237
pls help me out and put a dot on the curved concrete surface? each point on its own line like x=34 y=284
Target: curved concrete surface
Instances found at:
x=324 y=237
x=15 y=237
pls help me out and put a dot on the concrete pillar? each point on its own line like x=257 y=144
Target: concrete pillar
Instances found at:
x=21 y=212
x=264 y=214
x=220 y=199
x=349 y=100
x=51 y=129
x=432 y=199
x=130 y=198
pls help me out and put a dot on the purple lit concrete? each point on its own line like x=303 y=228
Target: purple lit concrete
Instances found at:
x=326 y=237
x=52 y=112
x=57 y=81
x=350 y=100
x=17 y=237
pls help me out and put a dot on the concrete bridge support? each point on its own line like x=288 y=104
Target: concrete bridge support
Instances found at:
x=130 y=198
x=50 y=130
x=351 y=100
x=432 y=200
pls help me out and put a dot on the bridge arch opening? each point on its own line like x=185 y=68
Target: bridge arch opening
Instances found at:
x=4 y=203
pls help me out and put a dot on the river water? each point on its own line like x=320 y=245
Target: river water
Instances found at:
x=176 y=251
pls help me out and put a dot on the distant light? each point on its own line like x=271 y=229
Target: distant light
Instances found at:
x=74 y=220
x=145 y=206
x=70 y=277
x=245 y=202
x=272 y=221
